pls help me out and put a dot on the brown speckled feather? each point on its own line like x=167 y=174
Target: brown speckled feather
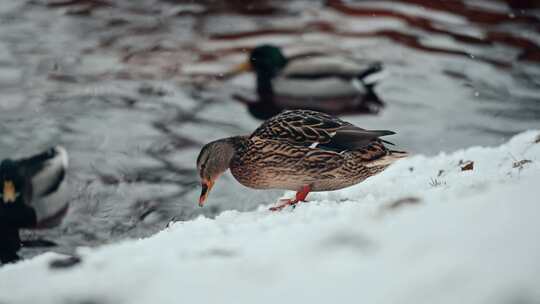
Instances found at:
x=298 y=148
x=306 y=128
x=300 y=127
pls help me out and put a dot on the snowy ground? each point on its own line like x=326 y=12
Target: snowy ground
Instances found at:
x=424 y=231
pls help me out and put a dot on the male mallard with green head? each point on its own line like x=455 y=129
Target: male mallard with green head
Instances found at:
x=297 y=150
x=32 y=195
x=322 y=82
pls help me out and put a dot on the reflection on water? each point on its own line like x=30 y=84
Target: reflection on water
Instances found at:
x=134 y=88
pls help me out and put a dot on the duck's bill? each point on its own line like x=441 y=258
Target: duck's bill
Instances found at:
x=9 y=195
x=241 y=68
x=206 y=187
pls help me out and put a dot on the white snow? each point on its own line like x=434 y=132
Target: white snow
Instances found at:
x=463 y=237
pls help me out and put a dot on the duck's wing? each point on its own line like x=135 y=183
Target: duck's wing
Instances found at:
x=46 y=173
x=318 y=130
x=46 y=170
x=317 y=67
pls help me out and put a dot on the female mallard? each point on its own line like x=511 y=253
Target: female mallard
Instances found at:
x=297 y=150
x=321 y=82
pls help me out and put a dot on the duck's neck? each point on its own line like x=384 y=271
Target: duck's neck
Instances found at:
x=263 y=109
x=234 y=145
x=264 y=87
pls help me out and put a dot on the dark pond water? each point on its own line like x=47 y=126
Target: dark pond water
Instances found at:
x=133 y=89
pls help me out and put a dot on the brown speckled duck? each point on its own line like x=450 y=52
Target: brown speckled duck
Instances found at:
x=297 y=150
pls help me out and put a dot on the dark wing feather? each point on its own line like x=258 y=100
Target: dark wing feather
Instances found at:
x=351 y=138
x=300 y=127
x=46 y=173
x=316 y=66
x=46 y=170
x=308 y=128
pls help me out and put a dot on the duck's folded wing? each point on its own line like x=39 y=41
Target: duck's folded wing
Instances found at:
x=47 y=172
x=316 y=129
x=352 y=138
x=316 y=67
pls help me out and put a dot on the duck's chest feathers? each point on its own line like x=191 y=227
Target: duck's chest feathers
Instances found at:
x=264 y=165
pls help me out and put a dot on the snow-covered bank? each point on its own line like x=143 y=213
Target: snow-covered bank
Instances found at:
x=425 y=231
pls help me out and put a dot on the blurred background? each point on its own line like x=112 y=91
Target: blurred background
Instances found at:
x=133 y=89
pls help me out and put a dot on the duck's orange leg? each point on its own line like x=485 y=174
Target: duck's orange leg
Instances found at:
x=300 y=197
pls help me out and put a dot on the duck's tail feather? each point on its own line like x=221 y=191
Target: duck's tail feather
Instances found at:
x=388 y=142
x=372 y=74
x=386 y=160
x=398 y=153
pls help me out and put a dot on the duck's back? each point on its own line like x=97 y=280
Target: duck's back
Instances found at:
x=322 y=66
x=298 y=148
x=319 y=77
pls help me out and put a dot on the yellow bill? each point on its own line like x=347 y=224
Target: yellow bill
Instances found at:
x=241 y=68
x=206 y=187
x=9 y=194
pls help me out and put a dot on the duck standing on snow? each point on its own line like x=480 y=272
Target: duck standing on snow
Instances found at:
x=297 y=150
x=32 y=195
x=322 y=82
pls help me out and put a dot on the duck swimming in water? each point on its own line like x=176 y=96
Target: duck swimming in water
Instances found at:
x=32 y=195
x=322 y=82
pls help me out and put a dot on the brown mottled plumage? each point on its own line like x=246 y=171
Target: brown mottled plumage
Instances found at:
x=298 y=150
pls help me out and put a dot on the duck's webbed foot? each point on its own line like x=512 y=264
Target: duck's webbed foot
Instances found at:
x=284 y=203
x=300 y=197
